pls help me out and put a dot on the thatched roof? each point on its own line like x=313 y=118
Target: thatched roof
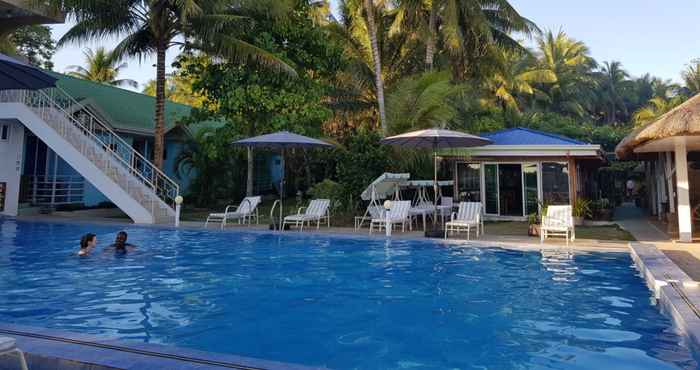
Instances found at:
x=683 y=120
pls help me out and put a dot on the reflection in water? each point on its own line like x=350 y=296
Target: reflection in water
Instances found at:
x=339 y=302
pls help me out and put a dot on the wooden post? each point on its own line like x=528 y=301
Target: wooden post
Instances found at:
x=685 y=222
x=572 y=181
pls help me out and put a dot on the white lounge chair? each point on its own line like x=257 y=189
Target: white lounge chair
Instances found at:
x=316 y=211
x=467 y=216
x=445 y=208
x=373 y=211
x=246 y=211
x=559 y=222
x=8 y=346
x=398 y=214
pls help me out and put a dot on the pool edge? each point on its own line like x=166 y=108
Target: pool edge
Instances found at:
x=677 y=295
x=49 y=349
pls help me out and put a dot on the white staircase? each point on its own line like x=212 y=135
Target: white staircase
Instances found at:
x=124 y=176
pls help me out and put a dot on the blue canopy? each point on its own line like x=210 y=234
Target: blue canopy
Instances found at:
x=282 y=140
x=17 y=75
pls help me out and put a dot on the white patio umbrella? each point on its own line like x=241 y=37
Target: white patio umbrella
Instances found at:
x=436 y=139
x=282 y=140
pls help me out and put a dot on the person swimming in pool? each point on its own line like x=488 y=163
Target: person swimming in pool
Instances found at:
x=120 y=245
x=87 y=244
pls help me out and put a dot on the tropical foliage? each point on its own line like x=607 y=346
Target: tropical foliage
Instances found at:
x=103 y=67
x=374 y=67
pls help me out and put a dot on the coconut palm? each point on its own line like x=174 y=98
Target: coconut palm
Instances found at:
x=101 y=67
x=691 y=77
x=612 y=81
x=467 y=28
x=152 y=27
x=655 y=108
x=570 y=61
x=517 y=76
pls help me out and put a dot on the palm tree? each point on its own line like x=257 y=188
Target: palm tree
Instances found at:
x=655 y=108
x=570 y=61
x=691 y=77
x=516 y=76
x=467 y=27
x=101 y=67
x=613 y=80
x=154 y=26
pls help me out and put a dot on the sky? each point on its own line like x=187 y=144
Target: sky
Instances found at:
x=647 y=36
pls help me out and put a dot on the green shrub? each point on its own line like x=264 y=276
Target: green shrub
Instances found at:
x=329 y=189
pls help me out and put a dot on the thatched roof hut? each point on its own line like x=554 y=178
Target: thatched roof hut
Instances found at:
x=683 y=120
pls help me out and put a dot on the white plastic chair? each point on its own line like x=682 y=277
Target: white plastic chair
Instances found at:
x=244 y=211
x=372 y=212
x=8 y=346
x=398 y=214
x=559 y=222
x=468 y=216
x=316 y=211
x=445 y=208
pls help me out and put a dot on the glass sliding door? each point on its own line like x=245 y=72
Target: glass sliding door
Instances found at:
x=491 y=188
x=510 y=189
x=531 y=193
x=468 y=182
x=555 y=183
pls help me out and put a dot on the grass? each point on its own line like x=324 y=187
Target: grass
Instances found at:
x=346 y=219
x=612 y=232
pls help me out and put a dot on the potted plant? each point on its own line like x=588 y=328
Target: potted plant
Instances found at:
x=604 y=210
x=533 y=228
x=581 y=210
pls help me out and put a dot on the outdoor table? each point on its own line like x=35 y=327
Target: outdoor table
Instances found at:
x=422 y=210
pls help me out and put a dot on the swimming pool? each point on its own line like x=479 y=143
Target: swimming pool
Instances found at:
x=342 y=302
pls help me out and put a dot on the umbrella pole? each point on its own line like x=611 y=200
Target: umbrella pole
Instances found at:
x=435 y=187
x=281 y=193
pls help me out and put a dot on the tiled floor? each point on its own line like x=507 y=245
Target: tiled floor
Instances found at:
x=685 y=255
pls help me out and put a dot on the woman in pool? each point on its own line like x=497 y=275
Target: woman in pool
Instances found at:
x=87 y=244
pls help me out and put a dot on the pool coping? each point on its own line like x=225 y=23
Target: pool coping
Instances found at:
x=614 y=246
x=56 y=349
x=677 y=295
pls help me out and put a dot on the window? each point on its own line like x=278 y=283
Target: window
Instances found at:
x=491 y=188
x=555 y=183
x=530 y=174
x=4 y=132
x=468 y=182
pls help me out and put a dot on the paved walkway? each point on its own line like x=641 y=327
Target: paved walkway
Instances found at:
x=685 y=255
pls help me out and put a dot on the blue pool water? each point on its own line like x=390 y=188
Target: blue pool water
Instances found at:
x=346 y=303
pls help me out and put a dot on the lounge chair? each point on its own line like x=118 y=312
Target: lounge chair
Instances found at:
x=246 y=211
x=316 y=211
x=8 y=346
x=445 y=208
x=373 y=211
x=468 y=216
x=398 y=214
x=558 y=221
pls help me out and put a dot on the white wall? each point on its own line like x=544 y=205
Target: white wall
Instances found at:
x=11 y=165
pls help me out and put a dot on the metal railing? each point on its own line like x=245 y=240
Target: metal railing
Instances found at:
x=56 y=190
x=66 y=115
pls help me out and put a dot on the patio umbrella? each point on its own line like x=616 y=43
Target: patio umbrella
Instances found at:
x=435 y=139
x=17 y=75
x=282 y=140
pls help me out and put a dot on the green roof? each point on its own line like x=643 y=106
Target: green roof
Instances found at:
x=125 y=110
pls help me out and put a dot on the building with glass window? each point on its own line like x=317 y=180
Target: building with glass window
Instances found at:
x=523 y=169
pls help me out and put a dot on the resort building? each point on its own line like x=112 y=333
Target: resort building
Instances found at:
x=523 y=169
x=670 y=150
x=34 y=173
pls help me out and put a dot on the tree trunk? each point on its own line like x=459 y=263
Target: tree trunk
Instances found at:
x=159 y=134
x=430 y=43
x=379 y=81
x=250 y=175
